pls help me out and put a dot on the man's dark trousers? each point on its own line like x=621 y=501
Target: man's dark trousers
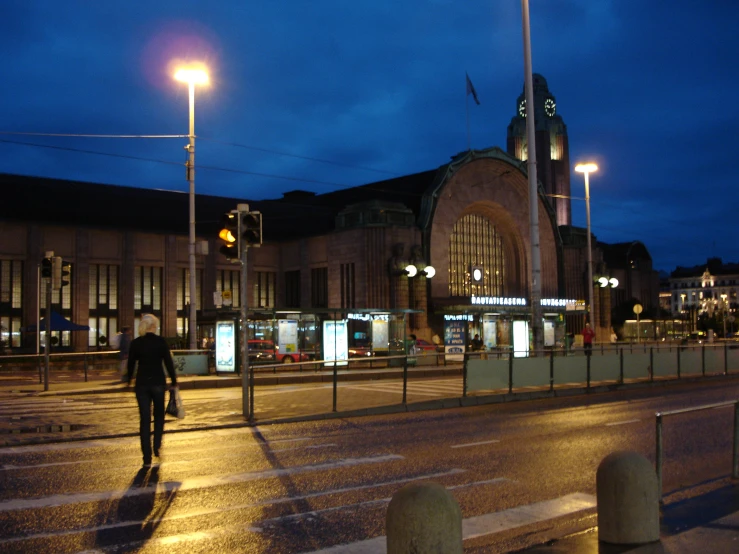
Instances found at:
x=145 y=396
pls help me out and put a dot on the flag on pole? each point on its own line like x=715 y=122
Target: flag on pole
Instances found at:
x=471 y=89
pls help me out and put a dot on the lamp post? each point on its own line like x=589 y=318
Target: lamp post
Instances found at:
x=587 y=169
x=724 y=314
x=537 y=326
x=192 y=77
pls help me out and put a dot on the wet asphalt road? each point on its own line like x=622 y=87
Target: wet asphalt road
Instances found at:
x=304 y=487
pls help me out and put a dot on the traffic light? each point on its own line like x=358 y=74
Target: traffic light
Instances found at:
x=66 y=271
x=46 y=268
x=251 y=228
x=230 y=235
x=60 y=273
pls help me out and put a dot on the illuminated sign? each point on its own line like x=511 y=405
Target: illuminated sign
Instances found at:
x=458 y=317
x=226 y=346
x=369 y=317
x=556 y=302
x=497 y=301
x=335 y=342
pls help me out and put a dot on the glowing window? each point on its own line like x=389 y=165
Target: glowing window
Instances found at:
x=475 y=242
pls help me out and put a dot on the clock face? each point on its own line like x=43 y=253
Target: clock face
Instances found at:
x=522 y=108
x=550 y=107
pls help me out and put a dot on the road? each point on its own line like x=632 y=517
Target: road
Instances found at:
x=521 y=472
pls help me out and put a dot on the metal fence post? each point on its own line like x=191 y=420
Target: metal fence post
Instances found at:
x=465 y=359
x=735 y=460
x=588 y=366
x=405 y=378
x=551 y=371
x=678 y=361
x=510 y=372
x=651 y=364
x=336 y=382
x=703 y=360
x=659 y=457
x=85 y=358
x=621 y=368
x=726 y=358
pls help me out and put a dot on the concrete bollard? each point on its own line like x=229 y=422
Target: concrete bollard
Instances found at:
x=628 y=499
x=423 y=518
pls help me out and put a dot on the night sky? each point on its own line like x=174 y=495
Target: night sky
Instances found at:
x=329 y=94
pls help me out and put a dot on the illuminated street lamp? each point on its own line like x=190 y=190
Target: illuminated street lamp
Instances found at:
x=192 y=76
x=587 y=169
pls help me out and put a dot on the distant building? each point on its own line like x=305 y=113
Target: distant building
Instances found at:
x=708 y=290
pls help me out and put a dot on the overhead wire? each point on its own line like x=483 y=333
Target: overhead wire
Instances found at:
x=309 y=158
x=200 y=166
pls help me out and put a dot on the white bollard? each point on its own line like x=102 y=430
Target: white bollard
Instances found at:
x=628 y=499
x=423 y=518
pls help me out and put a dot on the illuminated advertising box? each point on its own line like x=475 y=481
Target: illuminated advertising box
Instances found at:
x=335 y=342
x=226 y=346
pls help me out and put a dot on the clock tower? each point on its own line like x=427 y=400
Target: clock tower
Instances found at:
x=552 y=148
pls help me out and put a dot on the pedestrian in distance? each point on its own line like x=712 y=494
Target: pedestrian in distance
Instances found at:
x=124 y=345
x=150 y=351
x=587 y=338
x=476 y=344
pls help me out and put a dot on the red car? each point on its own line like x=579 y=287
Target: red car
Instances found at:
x=425 y=347
x=265 y=351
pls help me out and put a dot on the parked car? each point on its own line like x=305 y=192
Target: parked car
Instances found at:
x=265 y=351
x=360 y=351
x=425 y=347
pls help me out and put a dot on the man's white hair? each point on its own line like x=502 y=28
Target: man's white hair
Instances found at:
x=149 y=324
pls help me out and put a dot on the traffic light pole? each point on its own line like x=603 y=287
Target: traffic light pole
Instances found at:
x=47 y=342
x=247 y=383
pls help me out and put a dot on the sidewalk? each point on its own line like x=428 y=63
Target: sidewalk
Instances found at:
x=707 y=523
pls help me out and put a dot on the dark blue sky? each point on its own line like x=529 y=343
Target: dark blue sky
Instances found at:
x=647 y=89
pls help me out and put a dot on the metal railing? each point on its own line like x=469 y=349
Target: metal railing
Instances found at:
x=659 y=448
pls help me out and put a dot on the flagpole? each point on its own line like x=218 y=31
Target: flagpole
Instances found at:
x=467 y=106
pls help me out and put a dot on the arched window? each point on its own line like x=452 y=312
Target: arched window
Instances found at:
x=475 y=242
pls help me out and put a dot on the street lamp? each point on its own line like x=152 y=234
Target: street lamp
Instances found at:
x=587 y=169
x=192 y=76
x=537 y=325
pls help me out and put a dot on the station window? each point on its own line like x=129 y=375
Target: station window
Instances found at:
x=476 y=242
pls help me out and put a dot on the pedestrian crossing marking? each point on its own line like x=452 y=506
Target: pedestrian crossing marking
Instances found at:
x=188 y=484
x=212 y=511
x=447 y=387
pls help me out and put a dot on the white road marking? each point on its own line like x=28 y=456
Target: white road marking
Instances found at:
x=487 y=524
x=414 y=390
x=622 y=422
x=169 y=438
x=172 y=462
x=367 y=503
x=212 y=511
x=474 y=443
x=188 y=484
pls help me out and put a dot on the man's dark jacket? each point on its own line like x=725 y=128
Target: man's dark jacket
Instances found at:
x=150 y=351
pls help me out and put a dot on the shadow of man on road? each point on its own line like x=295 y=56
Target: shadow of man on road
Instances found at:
x=134 y=517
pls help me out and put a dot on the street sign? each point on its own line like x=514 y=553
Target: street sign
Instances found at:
x=638 y=309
